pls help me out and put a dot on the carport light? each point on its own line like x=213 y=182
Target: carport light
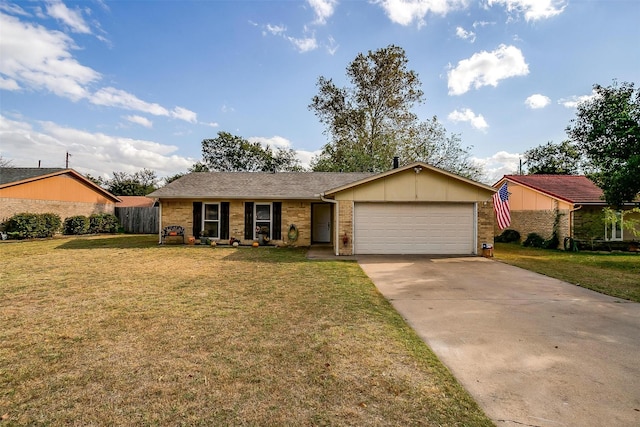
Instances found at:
x=417 y=169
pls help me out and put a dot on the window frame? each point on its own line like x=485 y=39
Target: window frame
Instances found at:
x=614 y=231
x=262 y=221
x=216 y=221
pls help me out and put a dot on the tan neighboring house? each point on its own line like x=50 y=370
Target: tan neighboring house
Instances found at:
x=574 y=201
x=415 y=209
x=56 y=190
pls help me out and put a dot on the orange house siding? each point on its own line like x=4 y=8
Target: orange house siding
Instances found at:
x=62 y=188
x=60 y=194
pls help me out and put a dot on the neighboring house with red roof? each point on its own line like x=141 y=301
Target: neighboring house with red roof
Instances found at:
x=51 y=190
x=573 y=201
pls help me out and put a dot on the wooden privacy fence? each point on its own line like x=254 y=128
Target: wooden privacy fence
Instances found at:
x=138 y=220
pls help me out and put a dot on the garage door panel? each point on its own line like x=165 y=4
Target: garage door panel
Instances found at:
x=414 y=228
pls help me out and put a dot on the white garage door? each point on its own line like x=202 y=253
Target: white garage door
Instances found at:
x=414 y=228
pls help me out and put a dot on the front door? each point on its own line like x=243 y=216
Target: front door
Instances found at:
x=321 y=216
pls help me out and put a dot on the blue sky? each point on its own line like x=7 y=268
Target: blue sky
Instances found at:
x=126 y=85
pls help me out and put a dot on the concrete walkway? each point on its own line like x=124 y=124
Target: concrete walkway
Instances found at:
x=531 y=350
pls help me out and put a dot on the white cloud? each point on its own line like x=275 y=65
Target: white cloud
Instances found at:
x=533 y=10
x=573 y=101
x=8 y=84
x=139 y=120
x=38 y=58
x=184 y=114
x=537 y=101
x=13 y=9
x=477 y=24
x=465 y=35
x=323 y=9
x=112 y=97
x=466 y=115
x=305 y=157
x=274 y=141
x=332 y=46
x=487 y=69
x=95 y=153
x=210 y=124
x=71 y=18
x=305 y=44
x=500 y=164
x=406 y=12
x=274 y=29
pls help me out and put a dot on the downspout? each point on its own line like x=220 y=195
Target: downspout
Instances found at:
x=336 y=221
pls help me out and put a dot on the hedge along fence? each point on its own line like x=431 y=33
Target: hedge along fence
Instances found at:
x=94 y=224
x=30 y=225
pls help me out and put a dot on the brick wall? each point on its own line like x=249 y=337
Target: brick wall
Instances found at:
x=298 y=213
x=345 y=226
x=486 y=224
x=10 y=207
x=179 y=212
x=540 y=222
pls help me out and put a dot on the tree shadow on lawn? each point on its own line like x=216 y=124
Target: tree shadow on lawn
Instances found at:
x=110 y=241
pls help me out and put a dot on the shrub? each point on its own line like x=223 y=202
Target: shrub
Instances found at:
x=551 y=243
x=53 y=223
x=534 y=240
x=508 y=236
x=103 y=223
x=30 y=225
x=78 y=224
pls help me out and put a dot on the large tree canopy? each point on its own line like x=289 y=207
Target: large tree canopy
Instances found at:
x=231 y=153
x=560 y=159
x=371 y=121
x=364 y=122
x=607 y=130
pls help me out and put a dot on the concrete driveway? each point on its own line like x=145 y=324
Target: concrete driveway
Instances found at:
x=531 y=350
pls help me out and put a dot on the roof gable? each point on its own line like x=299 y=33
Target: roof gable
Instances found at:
x=417 y=167
x=10 y=177
x=577 y=189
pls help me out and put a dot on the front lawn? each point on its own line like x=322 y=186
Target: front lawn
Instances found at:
x=120 y=331
x=616 y=274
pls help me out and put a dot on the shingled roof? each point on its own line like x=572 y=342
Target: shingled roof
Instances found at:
x=9 y=175
x=256 y=185
x=577 y=189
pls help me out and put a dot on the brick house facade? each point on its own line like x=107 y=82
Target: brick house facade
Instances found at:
x=322 y=208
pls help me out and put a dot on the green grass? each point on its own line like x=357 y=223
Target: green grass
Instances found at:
x=120 y=331
x=615 y=274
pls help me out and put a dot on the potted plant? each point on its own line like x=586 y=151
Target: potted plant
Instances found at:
x=263 y=234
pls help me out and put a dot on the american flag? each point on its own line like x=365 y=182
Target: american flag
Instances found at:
x=501 y=207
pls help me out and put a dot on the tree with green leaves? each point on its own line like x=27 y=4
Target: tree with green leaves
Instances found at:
x=428 y=141
x=556 y=159
x=139 y=183
x=371 y=121
x=366 y=121
x=231 y=153
x=607 y=130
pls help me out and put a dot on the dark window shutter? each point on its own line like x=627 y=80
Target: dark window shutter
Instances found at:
x=224 y=221
x=277 y=221
x=197 y=218
x=248 y=220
